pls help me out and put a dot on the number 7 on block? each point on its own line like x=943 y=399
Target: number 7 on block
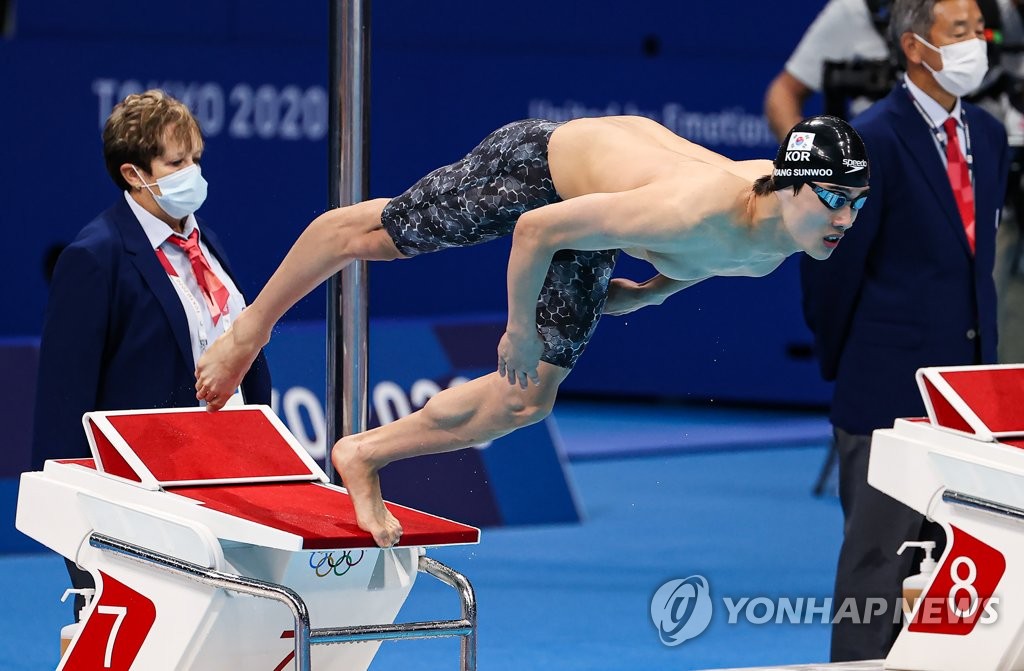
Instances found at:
x=121 y=612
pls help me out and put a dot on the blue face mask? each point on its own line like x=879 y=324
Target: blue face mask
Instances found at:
x=182 y=192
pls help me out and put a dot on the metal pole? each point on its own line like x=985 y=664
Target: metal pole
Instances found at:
x=349 y=178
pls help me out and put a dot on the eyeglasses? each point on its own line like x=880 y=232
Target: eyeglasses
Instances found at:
x=837 y=201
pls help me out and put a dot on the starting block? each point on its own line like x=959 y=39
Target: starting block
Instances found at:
x=216 y=542
x=963 y=467
x=869 y=665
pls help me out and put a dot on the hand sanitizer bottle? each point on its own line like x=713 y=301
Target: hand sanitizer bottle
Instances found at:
x=69 y=631
x=914 y=585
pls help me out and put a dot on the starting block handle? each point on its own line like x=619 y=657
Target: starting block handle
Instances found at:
x=978 y=503
x=467 y=598
x=228 y=581
x=304 y=636
x=465 y=627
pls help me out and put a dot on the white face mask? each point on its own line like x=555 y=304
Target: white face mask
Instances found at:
x=964 y=65
x=182 y=192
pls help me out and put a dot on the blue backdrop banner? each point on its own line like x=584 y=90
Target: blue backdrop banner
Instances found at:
x=443 y=76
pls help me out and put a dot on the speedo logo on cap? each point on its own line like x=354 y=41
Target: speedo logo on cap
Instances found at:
x=854 y=165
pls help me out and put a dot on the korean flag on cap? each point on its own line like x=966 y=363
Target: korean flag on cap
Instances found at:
x=800 y=141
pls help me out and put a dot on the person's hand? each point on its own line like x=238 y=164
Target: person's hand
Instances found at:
x=625 y=296
x=518 y=356
x=221 y=369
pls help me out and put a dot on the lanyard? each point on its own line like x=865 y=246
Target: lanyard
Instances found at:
x=940 y=135
x=204 y=338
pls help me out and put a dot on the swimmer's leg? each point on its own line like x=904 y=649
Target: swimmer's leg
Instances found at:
x=469 y=414
x=330 y=242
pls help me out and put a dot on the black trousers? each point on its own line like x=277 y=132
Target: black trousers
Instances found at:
x=79 y=580
x=875 y=525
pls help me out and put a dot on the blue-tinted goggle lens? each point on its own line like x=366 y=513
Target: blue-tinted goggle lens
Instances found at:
x=837 y=201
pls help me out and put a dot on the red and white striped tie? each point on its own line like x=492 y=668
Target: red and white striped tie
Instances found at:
x=960 y=179
x=214 y=291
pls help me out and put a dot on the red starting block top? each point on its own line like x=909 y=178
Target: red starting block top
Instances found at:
x=986 y=402
x=322 y=515
x=245 y=463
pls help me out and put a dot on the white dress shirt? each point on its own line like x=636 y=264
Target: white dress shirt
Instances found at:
x=202 y=330
x=936 y=115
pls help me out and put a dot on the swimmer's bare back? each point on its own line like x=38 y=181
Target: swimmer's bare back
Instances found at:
x=620 y=153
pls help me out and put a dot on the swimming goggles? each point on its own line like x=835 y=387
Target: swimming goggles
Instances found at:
x=837 y=201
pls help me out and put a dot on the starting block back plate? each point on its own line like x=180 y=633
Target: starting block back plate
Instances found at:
x=981 y=401
x=192 y=446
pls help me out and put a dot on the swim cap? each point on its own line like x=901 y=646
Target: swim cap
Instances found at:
x=821 y=149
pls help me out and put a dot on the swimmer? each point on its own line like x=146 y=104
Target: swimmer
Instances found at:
x=572 y=195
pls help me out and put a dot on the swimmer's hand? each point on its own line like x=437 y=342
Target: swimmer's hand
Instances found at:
x=519 y=355
x=221 y=369
x=625 y=296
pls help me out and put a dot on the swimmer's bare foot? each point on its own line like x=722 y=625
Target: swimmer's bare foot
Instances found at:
x=363 y=484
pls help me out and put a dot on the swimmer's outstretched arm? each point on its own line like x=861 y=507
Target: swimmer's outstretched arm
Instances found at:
x=316 y=255
x=626 y=296
x=645 y=217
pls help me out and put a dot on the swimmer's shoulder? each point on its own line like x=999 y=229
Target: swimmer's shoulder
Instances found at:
x=694 y=175
x=615 y=124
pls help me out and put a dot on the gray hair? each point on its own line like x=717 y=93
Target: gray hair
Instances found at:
x=909 y=16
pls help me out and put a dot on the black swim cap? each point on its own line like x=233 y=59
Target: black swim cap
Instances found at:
x=821 y=149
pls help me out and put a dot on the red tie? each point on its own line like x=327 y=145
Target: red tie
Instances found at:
x=214 y=291
x=960 y=180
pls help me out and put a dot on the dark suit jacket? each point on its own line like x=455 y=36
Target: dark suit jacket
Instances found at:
x=902 y=290
x=116 y=336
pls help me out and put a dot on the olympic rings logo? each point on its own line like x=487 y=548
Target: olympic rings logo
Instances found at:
x=329 y=562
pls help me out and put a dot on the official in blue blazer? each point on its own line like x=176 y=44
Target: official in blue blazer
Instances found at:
x=116 y=335
x=121 y=330
x=906 y=287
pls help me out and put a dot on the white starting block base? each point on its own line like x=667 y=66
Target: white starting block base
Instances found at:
x=962 y=467
x=216 y=543
x=870 y=665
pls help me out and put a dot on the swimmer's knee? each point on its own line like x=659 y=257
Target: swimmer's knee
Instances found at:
x=534 y=404
x=523 y=411
x=538 y=412
x=361 y=233
x=380 y=247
